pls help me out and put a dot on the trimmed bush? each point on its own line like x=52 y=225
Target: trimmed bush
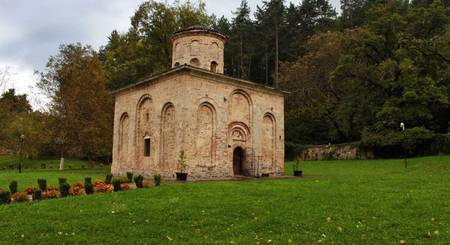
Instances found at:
x=37 y=194
x=5 y=197
x=89 y=188
x=64 y=189
x=157 y=179
x=87 y=180
x=13 y=187
x=62 y=180
x=130 y=177
x=116 y=184
x=42 y=183
x=108 y=179
x=138 y=181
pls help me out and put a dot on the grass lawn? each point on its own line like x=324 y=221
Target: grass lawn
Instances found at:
x=337 y=202
x=9 y=161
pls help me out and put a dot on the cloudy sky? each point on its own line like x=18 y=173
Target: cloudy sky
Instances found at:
x=31 y=31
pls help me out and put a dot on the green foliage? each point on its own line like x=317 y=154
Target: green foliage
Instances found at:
x=64 y=188
x=89 y=188
x=42 y=183
x=87 y=180
x=108 y=178
x=116 y=183
x=62 y=180
x=157 y=179
x=5 y=197
x=13 y=186
x=37 y=194
x=145 y=49
x=138 y=180
x=130 y=177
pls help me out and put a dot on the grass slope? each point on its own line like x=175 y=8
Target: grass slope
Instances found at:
x=338 y=202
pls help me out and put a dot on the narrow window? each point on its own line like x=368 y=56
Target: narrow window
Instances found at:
x=214 y=66
x=147 y=146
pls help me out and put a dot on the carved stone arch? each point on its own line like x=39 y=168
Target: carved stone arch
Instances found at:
x=124 y=140
x=144 y=127
x=206 y=130
x=240 y=107
x=238 y=132
x=268 y=141
x=168 y=155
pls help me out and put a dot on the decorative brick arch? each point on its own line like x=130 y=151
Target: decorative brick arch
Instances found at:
x=240 y=107
x=168 y=155
x=206 y=130
x=124 y=140
x=268 y=139
x=143 y=128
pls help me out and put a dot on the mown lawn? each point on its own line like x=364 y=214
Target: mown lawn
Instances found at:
x=9 y=162
x=337 y=202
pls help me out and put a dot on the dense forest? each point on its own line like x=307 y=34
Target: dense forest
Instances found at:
x=353 y=75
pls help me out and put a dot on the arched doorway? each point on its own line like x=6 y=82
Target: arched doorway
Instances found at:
x=238 y=160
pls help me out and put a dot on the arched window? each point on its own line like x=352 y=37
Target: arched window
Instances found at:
x=214 y=66
x=195 y=62
x=147 y=142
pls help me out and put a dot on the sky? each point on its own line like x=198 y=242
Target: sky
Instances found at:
x=32 y=31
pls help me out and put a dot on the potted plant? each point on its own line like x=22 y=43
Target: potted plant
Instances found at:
x=297 y=171
x=182 y=176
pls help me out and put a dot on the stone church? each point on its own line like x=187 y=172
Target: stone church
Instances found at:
x=225 y=126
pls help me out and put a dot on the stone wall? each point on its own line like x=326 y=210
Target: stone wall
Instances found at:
x=338 y=152
x=205 y=114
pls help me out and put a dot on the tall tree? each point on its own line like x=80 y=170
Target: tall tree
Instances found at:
x=81 y=106
x=145 y=49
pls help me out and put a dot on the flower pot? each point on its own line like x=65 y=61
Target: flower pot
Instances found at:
x=298 y=173
x=181 y=176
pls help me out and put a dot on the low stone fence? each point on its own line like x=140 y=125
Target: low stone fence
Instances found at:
x=349 y=151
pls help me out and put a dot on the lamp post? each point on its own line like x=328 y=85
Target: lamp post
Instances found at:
x=22 y=139
x=402 y=127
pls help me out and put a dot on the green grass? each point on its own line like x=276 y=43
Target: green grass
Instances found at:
x=8 y=161
x=337 y=202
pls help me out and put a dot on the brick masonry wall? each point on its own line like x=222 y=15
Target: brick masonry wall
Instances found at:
x=207 y=116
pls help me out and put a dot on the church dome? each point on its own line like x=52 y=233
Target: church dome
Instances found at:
x=200 y=47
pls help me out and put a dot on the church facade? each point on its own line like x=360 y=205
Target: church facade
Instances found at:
x=225 y=126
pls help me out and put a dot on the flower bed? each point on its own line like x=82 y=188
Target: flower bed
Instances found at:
x=78 y=189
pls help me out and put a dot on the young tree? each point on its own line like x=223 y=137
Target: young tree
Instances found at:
x=81 y=107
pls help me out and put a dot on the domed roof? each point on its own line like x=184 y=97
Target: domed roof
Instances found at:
x=197 y=29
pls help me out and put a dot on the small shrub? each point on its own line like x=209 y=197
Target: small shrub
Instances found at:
x=157 y=179
x=108 y=179
x=138 y=181
x=29 y=190
x=13 y=187
x=42 y=183
x=100 y=186
x=123 y=179
x=88 y=188
x=62 y=180
x=64 y=189
x=51 y=193
x=70 y=166
x=116 y=184
x=43 y=166
x=77 y=189
x=130 y=177
x=20 y=197
x=83 y=167
x=87 y=180
x=37 y=194
x=5 y=197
